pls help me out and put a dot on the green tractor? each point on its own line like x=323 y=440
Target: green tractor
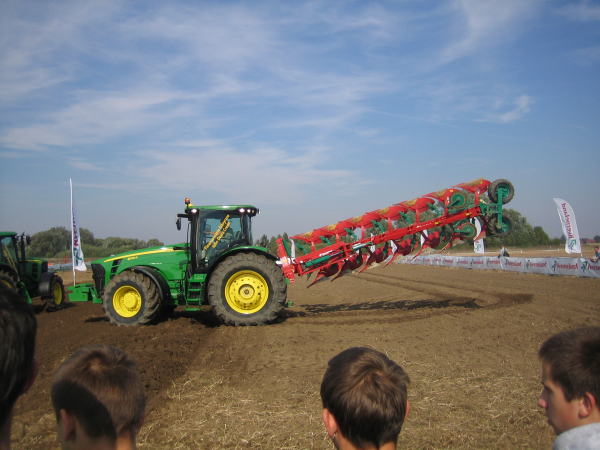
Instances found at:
x=29 y=276
x=218 y=266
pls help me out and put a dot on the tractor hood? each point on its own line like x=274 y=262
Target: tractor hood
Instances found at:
x=166 y=255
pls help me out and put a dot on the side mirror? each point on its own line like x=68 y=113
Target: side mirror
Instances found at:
x=28 y=239
x=178 y=223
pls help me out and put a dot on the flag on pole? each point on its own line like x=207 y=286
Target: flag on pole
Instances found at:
x=76 y=252
x=478 y=244
x=569 y=226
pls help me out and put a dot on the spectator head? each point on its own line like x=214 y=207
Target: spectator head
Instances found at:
x=571 y=378
x=18 y=366
x=98 y=390
x=364 y=399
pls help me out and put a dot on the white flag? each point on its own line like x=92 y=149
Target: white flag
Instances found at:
x=478 y=244
x=423 y=236
x=569 y=226
x=76 y=252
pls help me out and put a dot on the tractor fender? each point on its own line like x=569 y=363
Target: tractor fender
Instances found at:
x=156 y=277
x=245 y=249
x=46 y=283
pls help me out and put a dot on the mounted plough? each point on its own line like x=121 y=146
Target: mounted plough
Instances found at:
x=433 y=221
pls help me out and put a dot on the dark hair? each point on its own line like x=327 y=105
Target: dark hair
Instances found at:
x=100 y=386
x=366 y=393
x=574 y=359
x=18 y=328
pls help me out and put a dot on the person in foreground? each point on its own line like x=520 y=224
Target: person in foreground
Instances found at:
x=571 y=380
x=364 y=400
x=99 y=400
x=18 y=366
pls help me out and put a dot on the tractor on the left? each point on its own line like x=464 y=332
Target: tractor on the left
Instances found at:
x=28 y=276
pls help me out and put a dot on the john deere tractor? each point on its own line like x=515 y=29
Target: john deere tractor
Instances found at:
x=217 y=266
x=29 y=276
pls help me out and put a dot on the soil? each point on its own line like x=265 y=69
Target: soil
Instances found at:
x=467 y=338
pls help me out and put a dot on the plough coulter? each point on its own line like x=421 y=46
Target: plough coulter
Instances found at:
x=433 y=221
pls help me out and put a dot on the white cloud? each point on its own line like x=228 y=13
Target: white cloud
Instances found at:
x=486 y=23
x=522 y=106
x=580 y=12
x=265 y=175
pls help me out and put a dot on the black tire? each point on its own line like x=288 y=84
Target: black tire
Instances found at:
x=458 y=200
x=506 y=227
x=131 y=299
x=58 y=296
x=467 y=230
x=7 y=281
x=508 y=191
x=247 y=289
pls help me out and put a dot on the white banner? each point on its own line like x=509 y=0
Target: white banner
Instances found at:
x=478 y=244
x=76 y=252
x=569 y=226
x=578 y=267
x=514 y=264
x=537 y=265
x=565 y=266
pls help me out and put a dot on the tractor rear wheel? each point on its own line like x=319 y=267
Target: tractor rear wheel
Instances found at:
x=7 y=281
x=131 y=299
x=500 y=229
x=501 y=186
x=56 y=300
x=247 y=289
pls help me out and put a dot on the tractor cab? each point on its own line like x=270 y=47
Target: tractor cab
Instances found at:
x=215 y=230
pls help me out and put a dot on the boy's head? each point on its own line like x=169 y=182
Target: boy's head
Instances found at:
x=18 y=367
x=100 y=387
x=571 y=378
x=364 y=397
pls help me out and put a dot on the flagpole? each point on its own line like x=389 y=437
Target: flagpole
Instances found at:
x=72 y=219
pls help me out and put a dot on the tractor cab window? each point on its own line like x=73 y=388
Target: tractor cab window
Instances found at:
x=218 y=231
x=9 y=252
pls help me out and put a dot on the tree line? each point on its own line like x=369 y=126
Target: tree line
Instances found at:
x=56 y=242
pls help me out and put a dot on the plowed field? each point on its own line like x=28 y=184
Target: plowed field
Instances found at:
x=467 y=338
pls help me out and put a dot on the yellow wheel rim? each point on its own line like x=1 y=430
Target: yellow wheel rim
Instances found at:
x=7 y=284
x=127 y=301
x=57 y=294
x=246 y=292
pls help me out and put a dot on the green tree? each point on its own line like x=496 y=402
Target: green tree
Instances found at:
x=263 y=241
x=154 y=243
x=272 y=245
x=596 y=238
x=50 y=243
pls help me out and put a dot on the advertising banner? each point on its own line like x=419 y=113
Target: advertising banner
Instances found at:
x=578 y=267
x=565 y=266
x=537 y=265
x=448 y=261
x=493 y=262
x=76 y=252
x=514 y=264
x=590 y=268
x=569 y=226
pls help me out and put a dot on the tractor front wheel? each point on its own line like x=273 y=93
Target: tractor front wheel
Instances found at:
x=247 y=289
x=131 y=299
x=56 y=300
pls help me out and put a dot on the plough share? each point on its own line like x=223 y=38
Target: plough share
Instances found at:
x=398 y=231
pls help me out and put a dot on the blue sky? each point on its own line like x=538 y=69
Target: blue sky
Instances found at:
x=313 y=111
